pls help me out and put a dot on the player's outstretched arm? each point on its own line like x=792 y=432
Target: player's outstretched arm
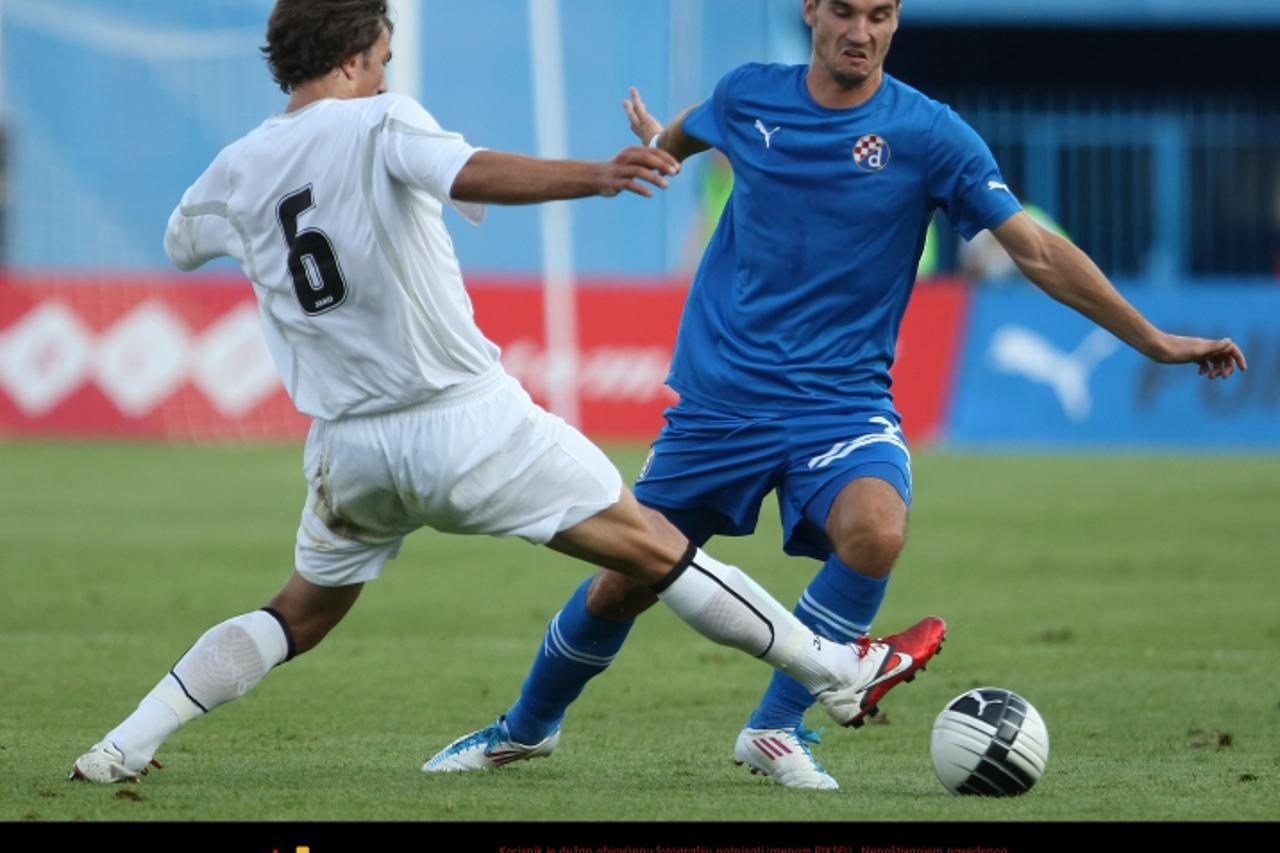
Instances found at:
x=193 y=241
x=198 y=230
x=671 y=138
x=1059 y=268
x=495 y=177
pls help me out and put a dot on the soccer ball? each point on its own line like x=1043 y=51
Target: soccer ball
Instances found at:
x=991 y=742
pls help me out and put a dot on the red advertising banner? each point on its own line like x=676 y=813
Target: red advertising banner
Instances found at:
x=149 y=357
x=626 y=333
x=930 y=345
x=182 y=357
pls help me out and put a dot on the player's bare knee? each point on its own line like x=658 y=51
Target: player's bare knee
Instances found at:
x=618 y=598
x=872 y=549
x=643 y=538
x=651 y=553
x=667 y=538
x=311 y=611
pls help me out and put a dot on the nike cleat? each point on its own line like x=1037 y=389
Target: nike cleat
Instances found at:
x=784 y=756
x=105 y=764
x=488 y=749
x=883 y=664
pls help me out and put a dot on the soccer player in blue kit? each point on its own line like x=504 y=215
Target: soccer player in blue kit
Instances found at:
x=784 y=351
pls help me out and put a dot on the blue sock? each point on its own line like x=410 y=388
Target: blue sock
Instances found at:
x=577 y=647
x=840 y=605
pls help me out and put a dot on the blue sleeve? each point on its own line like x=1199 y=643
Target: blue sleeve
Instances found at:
x=964 y=179
x=707 y=120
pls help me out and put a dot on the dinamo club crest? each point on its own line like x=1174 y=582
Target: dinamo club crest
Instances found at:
x=871 y=153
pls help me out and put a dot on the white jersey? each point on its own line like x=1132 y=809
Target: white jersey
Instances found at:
x=335 y=214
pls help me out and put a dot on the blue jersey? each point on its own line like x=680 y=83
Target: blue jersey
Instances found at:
x=798 y=300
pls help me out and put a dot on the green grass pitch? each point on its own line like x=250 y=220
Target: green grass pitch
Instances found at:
x=1132 y=599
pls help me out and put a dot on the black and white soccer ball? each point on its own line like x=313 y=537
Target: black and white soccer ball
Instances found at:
x=991 y=742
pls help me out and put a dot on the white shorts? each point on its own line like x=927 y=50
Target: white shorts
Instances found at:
x=480 y=458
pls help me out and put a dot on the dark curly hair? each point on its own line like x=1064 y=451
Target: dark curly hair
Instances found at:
x=307 y=39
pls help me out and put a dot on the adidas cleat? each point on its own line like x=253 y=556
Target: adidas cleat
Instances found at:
x=884 y=664
x=784 y=756
x=488 y=749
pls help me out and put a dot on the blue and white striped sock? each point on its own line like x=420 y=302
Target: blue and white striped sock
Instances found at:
x=839 y=604
x=577 y=647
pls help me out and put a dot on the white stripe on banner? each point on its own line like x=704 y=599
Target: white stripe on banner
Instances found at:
x=550 y=115
x=406 y=71
x=110 y=35
x=2 y=100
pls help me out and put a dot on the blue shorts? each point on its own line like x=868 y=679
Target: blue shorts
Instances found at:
x=708 y=472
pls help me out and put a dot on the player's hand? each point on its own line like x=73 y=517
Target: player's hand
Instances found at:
x=635 y=167
x=1218 y=359
x=643 y=125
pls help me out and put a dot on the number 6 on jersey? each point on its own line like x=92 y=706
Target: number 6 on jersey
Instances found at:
x=313 y=265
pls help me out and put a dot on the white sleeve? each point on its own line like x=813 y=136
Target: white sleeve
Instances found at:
x=422 y=154
x=198 y=229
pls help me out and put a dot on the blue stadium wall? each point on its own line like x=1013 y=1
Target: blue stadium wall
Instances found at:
x=1036 y=375
x=112 y=107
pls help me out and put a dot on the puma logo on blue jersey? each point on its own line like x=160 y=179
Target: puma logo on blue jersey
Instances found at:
x=768 y=134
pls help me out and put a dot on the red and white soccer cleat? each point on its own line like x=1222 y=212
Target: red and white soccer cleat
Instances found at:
x=884 y=664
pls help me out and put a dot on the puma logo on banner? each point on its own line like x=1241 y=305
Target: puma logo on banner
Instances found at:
x=1018 y=350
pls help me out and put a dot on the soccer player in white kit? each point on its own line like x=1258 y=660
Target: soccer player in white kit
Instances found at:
x=334 y=211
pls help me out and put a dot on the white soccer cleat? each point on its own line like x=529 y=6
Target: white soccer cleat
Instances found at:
x=488 y=749
x=883 y=664
x=784 y=756
x=104 y=764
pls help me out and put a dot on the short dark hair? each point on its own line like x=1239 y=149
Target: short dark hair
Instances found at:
x=307 y=39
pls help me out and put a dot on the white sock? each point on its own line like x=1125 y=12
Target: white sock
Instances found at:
x=726 y=606
x=224 y=664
